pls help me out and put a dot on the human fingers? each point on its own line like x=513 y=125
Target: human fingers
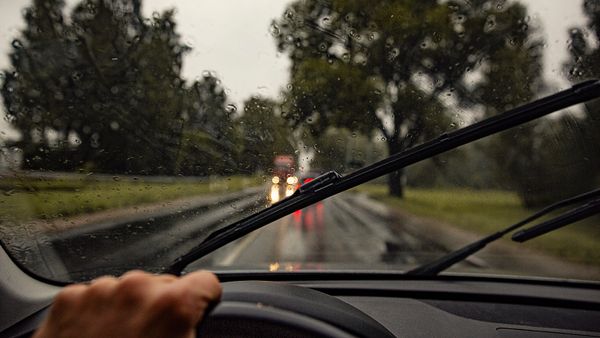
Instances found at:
x=204 y=284
x=142 y=275
x=186 y=299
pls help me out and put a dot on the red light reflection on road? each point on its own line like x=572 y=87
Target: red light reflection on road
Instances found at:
x=297 y=217
x=309 y=218
x=319 y=208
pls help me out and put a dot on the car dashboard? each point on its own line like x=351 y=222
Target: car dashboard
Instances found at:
x=455 y=308
x=374 y=304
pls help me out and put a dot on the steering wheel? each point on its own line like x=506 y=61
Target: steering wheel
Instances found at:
x=269 y=309
x=266 y=309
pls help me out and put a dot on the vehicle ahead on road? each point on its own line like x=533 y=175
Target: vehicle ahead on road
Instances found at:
x=284 y=181
x=283 y=168
x=447 y=101
x=307 y=177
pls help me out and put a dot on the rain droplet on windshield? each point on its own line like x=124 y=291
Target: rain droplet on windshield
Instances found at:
x=274 y=30
x=231 y=108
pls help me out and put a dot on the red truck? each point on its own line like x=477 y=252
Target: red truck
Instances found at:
x=284 y=167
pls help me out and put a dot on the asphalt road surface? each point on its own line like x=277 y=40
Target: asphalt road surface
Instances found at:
x=344 y=231
x=339 y=232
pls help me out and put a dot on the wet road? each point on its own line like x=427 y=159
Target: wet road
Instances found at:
x=347 y=230
x=352 y=232
x=344 y=231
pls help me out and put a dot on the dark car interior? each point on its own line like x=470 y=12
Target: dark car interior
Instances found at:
x=306 y=304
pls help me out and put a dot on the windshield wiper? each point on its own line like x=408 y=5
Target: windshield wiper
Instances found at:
x=332 y=183
x=443 y=263
x=589 y=209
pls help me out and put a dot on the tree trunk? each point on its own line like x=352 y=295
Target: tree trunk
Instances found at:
x=395 y=186
x=395 y=179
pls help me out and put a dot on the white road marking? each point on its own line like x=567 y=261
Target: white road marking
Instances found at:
x=237 y=249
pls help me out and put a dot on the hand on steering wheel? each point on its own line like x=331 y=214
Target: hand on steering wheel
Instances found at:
x=138 y=304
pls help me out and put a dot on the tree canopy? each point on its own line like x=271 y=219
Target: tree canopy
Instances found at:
x=103 y=91
x=396 y=66
x=265 y=134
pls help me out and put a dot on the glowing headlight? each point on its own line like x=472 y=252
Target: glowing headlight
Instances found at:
x=289 y=190
x=292 y=180
x=275 y=179
x=274 y=194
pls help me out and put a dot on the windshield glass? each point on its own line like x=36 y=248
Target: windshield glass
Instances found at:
x=133 y=129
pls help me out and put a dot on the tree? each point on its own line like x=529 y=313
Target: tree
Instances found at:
x=514 y=77
x=554 y=158
x=104 y=90
x=264 y=133
x=207 y=109
x=401 y=60
x=341 y=150
x=572 y=141
x=584 y=58
x=549 y=159
x=32 y=77
x=130 y=76
x=200 y=154
x=210 y=144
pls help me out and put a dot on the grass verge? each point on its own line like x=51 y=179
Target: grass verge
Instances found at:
x=34 y=198
x=485 y=211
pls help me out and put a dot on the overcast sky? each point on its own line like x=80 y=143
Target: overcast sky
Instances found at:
x=232 y=39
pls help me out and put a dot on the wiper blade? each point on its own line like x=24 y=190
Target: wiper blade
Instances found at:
x=587 y=210
x=333 y=183
x=443 y=263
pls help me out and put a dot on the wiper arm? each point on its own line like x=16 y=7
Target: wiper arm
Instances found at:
x=443 y=263
x=333 y=183
x=587 y=210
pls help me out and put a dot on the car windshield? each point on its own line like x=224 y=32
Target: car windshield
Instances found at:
x=133 y=129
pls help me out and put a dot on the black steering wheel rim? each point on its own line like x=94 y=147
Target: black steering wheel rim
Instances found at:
x=270 y=309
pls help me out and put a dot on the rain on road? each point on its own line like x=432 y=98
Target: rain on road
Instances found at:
x=347 y=230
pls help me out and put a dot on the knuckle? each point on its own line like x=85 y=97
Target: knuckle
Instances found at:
x=210 y=277
x=215 y=284
x=132 y=288
x=101 y=287
x=133 y=273
x=67 y=297
x=207 y=285
x=132 y=282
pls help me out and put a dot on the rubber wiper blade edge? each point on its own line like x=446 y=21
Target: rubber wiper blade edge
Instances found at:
x=587 y=210
x=446 y=261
